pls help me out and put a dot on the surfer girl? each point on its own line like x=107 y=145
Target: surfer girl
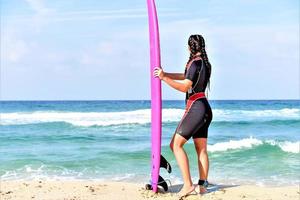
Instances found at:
x=198 y=115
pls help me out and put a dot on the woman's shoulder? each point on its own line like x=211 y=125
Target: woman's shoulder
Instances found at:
x=197 y=63
x=194 y=63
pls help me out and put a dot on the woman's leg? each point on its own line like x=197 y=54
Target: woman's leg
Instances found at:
x=176 y=146
x=203 y=162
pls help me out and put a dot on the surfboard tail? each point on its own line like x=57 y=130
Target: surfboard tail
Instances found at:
x=160 y=182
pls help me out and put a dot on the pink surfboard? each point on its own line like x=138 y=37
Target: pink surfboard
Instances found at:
x=157 y=160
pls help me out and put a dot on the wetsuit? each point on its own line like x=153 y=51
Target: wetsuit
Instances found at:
x=198 y=114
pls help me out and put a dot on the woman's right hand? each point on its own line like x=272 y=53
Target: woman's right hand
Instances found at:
x=158 y=72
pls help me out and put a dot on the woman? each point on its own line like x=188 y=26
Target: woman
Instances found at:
x=198 y=114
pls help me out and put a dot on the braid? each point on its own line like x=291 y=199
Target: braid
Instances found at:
x=207 y=63
x=194 y=47
x=190 y=59
x=204 y=55
x=197 y=44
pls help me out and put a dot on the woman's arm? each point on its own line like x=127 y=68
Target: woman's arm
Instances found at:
x=175 y=76
x=183 y=86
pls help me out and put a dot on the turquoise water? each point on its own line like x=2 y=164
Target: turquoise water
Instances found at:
x=253 y=142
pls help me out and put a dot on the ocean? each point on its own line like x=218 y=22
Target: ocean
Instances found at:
x=249 y=142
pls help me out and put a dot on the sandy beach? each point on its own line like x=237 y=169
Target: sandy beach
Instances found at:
x=90 y=190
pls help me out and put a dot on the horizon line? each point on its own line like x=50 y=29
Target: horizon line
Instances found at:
x=292 y=99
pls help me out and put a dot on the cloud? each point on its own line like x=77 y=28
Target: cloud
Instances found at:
x=14 y=49
x=38 y=6
x=88 y=15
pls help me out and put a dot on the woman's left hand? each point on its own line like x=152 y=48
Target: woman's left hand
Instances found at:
x=158 y=72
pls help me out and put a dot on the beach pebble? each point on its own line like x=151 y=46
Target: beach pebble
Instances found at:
x=92 y=189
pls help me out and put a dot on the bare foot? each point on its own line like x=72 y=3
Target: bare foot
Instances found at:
x=202 y=190
x=186 y=190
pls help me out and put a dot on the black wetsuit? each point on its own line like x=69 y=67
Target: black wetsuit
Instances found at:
x=198 y=115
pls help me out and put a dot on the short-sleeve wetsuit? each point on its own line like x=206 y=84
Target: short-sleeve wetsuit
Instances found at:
x=198 y=114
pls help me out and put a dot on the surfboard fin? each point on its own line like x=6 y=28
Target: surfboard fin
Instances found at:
x=148 y=187
x=165 y=164
x=162 y=183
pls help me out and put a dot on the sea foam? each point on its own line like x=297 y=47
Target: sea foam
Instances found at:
x=89 y=118
x=287 y=146
x=234 y=144
x=141 y=116
x=248 y=143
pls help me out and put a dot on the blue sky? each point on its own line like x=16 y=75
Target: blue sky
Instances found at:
x=99 y=50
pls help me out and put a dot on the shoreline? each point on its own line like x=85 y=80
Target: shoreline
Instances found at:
x=89 y=190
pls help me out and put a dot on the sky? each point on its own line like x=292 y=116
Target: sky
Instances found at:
x=99 y=50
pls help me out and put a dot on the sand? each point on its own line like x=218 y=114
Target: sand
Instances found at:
x=92 y=190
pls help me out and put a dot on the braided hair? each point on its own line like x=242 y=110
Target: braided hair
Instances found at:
x=197 y=45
